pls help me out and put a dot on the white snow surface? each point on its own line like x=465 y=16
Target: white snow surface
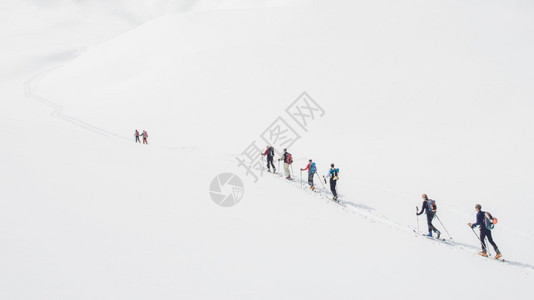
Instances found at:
x=420 y=97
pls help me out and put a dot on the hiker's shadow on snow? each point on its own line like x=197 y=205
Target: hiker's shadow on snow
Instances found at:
x=359 y=206
x=506 y=261
x=519 y=264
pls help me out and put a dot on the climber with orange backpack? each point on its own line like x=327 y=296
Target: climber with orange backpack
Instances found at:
x=486 y=222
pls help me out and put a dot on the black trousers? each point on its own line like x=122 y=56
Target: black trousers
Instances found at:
x=310 y=178
x=137 y=139
x=484 y=232
x=333 y=187
x=270 y=163
x=431 y=227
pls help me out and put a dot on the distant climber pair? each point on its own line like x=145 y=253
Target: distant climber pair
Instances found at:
x=144 y=135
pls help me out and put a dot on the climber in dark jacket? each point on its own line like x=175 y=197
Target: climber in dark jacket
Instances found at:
x=482 y=219
x=429 y=207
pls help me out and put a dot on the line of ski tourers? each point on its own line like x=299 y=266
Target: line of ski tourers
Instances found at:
x=484 y=220
x=311 y=167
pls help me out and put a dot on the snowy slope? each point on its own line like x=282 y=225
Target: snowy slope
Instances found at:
x=418 y=98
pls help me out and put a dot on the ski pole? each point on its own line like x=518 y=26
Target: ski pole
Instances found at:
x=292 y=173
x=301 y=183
x=487 y=248
x=443 y=226
x=417 y=217
x=475 y=233
x=320 y=179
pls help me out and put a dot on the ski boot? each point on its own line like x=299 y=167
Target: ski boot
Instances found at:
x=439 y=234
x=483 y=253
x=429 y=234
x=498 y=255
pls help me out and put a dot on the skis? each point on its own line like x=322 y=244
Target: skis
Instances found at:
x=316 y=191
x=451 y=243
x=281 y=175
x=490 y=256
x=431 y=237
x=338 y=202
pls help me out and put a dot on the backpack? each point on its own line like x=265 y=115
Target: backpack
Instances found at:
x=431 y=205
x=289 y=158
x=489 y=221
x=271 y=151
x=335 y=174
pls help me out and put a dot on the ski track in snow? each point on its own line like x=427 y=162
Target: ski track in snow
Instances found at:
x=371 y=215
x=29 y=90
x=57 y=112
